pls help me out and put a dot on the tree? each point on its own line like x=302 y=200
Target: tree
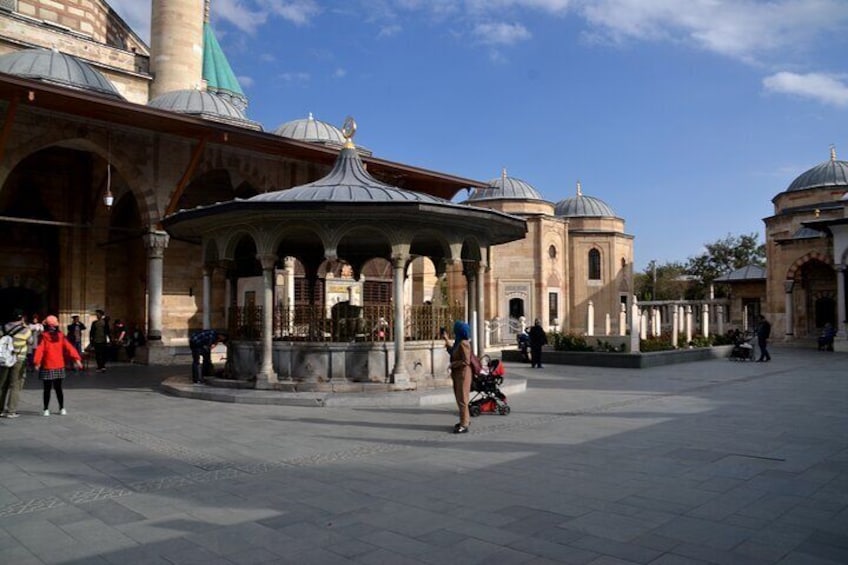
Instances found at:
x=661 y=282
x=723 y=256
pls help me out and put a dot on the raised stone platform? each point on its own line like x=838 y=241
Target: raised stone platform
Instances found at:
x=627 y=360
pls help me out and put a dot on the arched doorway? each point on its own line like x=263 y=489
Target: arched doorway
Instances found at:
x=817 y=304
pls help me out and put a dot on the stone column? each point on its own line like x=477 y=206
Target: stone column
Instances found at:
x=590 y=319
x=607 y=325
x=207 y=297
x=634 y=326
x=840 y=300
x=705 y=320
x=643 y=324
x=266 y=377
x=622 y=320
x=688 y=324
x=788 y=287
x=471 y=305
x=399 y=374
x=156 y=242
x=720 y=319
x=675 y=326
x=289 y=265
x=229 y=291
x=479 y=295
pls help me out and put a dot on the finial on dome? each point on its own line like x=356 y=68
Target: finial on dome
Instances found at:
x=503 y=177
x=348 y=131
x=579 y=189
x=310 y=118
x=206 y=6
x=832 y=152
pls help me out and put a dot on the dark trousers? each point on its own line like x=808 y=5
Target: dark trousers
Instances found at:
x=536 y=356
x=101 y=351
x=205 y=369
x=764 y=354
x=55 y=384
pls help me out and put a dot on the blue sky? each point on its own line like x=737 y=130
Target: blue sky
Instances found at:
x=685 y=116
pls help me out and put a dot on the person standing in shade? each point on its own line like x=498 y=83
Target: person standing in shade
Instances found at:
x=460 y=371
x=99 y=337
x=763 y=334
x=12 y=378
x=74 y=334
x=201 y=345
x=49 y=360
x=538 y=338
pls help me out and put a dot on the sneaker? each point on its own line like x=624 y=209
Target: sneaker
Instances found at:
x=3 y=414
x=63 y=412
x=12 y=415
x=460 y=430
x=46 y=413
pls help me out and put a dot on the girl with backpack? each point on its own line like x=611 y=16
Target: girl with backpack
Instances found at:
x=49 y=361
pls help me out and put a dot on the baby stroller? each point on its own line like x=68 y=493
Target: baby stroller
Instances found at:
x=524 y=346
x=485 y=385
x=743 y=348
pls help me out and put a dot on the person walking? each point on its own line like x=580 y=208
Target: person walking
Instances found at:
x=99 y=337
x=460 y=371
x=201 y=345
x=49 y=360
x=763 y=334
x=12 y=377
x=74 y=334
x=538 y=338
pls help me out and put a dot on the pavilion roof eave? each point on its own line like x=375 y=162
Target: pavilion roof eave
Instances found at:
x=37 y=94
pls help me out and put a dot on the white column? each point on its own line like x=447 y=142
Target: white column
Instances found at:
x=643 y=324
x=288 y=264
x=622 y=320
x=705 y=320
x=657 y=321
x=634 y=326
x=688 y=323
x=840 y=300
x=719 y=319
x=399 y=374
x=590 y=319
x=788 y=286
x=266 y=377
x=207 y=297
x=471 y=305
x=607 y=325
x=675 y=326
x=479 y=343
x=157 y=242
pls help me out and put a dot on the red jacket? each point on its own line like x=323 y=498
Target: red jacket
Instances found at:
x=53 y=350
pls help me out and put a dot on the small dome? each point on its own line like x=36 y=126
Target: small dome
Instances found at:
x=830 y=173
x=203 y=104
x=505 y=187
x=580 y=206
x=312 y=130
x=54 y=67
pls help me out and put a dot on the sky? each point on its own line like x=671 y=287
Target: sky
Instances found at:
x=685 y=116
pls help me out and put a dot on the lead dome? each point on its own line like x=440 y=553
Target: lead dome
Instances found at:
x=203 y=104
x=581 y=206
x=51 y=66
x=311 y=130
x=832 y=172
x=505 y=187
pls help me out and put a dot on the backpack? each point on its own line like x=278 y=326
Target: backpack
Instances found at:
x=8 y=356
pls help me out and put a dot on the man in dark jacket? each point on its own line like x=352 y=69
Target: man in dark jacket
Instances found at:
x=201 y=345
x=538 y=338
x=763 y=334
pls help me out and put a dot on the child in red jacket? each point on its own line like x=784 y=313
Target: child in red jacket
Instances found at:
x=49 y=361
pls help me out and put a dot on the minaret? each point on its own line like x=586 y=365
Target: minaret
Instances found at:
x=176 y=45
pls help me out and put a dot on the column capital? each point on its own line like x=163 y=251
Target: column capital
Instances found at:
x=841 y=267
x=267 y=260
x=788 y=286
x=156 y=243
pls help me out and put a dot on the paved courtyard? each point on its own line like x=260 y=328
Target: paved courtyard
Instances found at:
x=707 y=462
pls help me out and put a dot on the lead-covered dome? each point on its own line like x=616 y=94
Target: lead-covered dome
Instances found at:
x=204 y=104
x=51 y=66
x=505 y=187
x=830 y=173
x=312 y=130
x=581 y=206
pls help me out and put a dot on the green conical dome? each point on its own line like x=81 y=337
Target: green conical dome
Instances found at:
x=217 y=73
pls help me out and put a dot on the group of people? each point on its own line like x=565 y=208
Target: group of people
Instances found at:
x=42 y=348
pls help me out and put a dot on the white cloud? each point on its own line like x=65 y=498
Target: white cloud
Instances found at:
x=239 y=15
x=500 y=33
x=825 y=88
x=296 y=77
x=340 y=73
x=389 y=30
x=298 y=12
x=246 y=81
x=137 y=15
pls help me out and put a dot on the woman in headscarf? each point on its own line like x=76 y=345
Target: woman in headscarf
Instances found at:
x=49 y=361
x=460 y=368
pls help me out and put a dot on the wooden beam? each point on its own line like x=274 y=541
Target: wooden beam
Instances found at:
x=181 y=186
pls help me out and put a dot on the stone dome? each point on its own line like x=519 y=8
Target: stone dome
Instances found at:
x=505 y=187
x=51 y=66
x=203 y=104
x=581 y=206
x=830 y=173
x=312 y=130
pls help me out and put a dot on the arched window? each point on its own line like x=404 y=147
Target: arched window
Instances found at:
x=594 y=265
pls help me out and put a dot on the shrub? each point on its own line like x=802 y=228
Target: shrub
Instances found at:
x=570 y=342
x=607 y=347
x=660 y=343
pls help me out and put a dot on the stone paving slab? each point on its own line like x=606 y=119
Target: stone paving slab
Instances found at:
x=707 y=462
